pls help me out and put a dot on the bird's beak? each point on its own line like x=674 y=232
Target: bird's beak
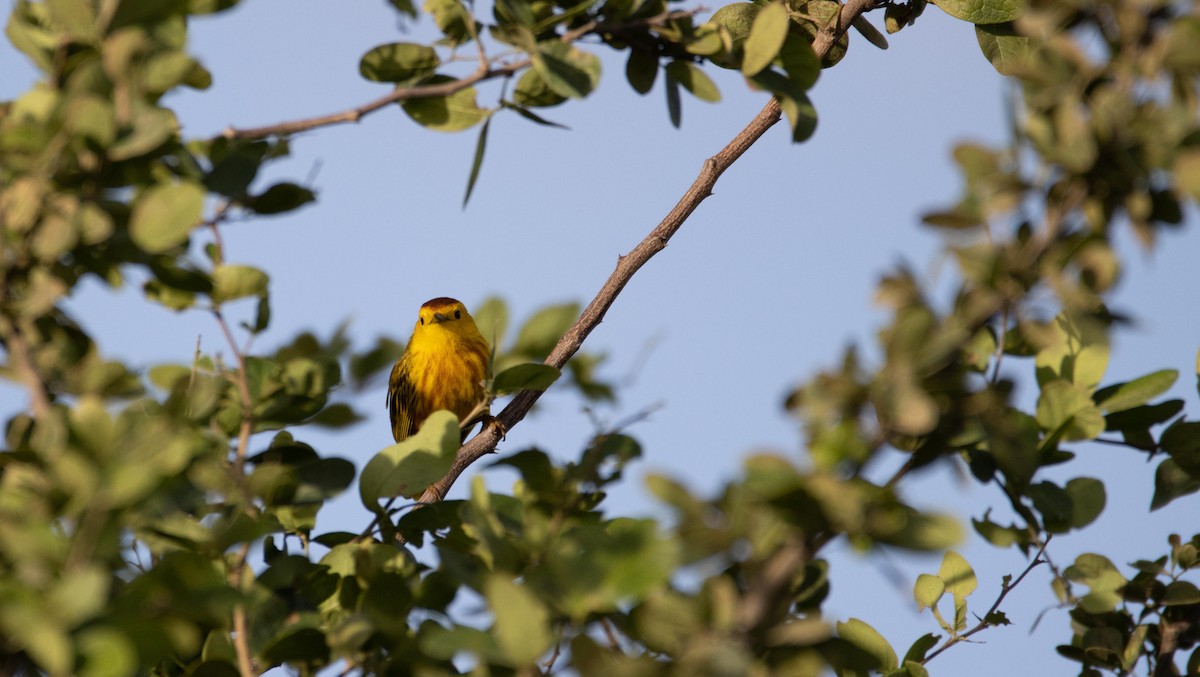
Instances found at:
x=438 y=317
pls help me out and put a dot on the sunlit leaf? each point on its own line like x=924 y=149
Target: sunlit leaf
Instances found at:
x=163 y=216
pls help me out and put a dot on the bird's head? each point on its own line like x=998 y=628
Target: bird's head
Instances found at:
x=447 y=314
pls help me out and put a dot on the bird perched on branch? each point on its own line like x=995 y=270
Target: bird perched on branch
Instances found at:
x=443 y=367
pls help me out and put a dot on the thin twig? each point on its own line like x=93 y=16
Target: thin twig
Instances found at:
x=243 y=386
x=396 y=96
x=241 y=628
x=18 y=349
x=485 y=442
x=983 y=624
x=611 y=634
x=1000 y=341
x=214 y=225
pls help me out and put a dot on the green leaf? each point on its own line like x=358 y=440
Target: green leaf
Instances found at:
x=492 y=319
x=407 y=468
x=983 y=11
x=997 y=618
x=133 y=12
x=1187 y=171
x=280 y=198
x=92 y=118
x=28 y=35
x=452 y=113
x=1066 y=409
x=46 y=643
x=232 y=282
x=694 y=80
x=297 y=644
x=80 y=595
x=1087 y=500
x=799 y=60
x=322 y=479
x=232 y=174
x=522 y=627
x=1053 y=503
x=674 y=105
x=1006 y=49
x=400 y=62
x=1135 y=393
x=1182 y=442
x=927 y=591
x=1180 y=593
x=916 y=653
x=541 y=332
x=707 y=40
x=152 y=127
x=960 y=581
x=997 y=534
x=338 y=415
x=163 y=216
x=1101 y=577
x=868 y=639
x=666 y=621
x=446 y=643
x=404 y=7
x=767 y=34
x=801 y=115
x=209 y=6
x=566 y=69
x=525 y=377
x=21 y=202
x=599 y=566
x=453 y=19
x=1077 y=351
x=262 y=314
x=1171 y=482
x=107 y=652
x=535 y=118
x=477 y=162
x=641 y=70
x=867 y=30
x=1183 y=44
x=533 y=91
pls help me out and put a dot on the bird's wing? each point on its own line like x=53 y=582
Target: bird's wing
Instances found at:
x=401 y=398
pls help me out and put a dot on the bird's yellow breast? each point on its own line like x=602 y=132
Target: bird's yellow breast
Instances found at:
x=448 y=377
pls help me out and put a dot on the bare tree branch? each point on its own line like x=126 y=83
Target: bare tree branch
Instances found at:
x=485 y=442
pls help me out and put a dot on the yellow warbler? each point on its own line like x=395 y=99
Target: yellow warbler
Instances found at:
x=442 y=367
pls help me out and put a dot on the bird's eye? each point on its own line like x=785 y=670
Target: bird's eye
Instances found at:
x=458 y=314
x=422 y=320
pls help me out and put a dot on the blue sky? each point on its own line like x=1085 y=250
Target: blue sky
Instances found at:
x=766 y=283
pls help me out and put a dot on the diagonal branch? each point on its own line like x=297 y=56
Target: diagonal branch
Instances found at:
x=485 y=442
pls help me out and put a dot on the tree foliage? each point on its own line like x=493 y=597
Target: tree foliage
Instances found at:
x=163 y=520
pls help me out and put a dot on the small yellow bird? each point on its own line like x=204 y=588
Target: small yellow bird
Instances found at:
x=443 y=367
